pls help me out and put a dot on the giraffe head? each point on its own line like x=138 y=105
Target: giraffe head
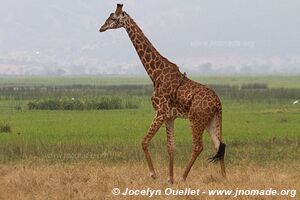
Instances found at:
x=115 y=20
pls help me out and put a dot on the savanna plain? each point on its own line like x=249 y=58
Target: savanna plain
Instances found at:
x=79 y=138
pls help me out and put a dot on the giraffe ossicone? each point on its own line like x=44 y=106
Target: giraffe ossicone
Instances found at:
x=174 y=96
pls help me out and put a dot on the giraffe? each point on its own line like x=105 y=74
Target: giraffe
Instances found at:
x=174 y=96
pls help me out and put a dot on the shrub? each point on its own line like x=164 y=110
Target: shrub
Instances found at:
x=97 y=103
x=67 y=105
x=108 y=103
x=5 y=128
x=18 y=107
x=131 y=104
x=44 y=105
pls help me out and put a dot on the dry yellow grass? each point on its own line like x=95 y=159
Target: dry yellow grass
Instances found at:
x=95 y=180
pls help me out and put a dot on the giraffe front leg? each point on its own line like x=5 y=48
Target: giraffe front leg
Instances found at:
x=170 y=145
x=156 y=124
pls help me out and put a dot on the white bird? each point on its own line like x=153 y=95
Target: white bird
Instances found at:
x=295 y=102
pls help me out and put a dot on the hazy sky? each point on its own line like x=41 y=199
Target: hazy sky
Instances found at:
x=60 y=37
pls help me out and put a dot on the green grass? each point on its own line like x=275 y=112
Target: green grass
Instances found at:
x=115 y=135
x=257 y=130
x=271 y=81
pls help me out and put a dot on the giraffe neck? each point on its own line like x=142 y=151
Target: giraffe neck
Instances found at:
x=154 y=63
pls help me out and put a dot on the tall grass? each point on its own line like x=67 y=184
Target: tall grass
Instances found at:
x=99 y=103
x=95 y=180
x=254 y=86
x=255 y=91
x=50 y=91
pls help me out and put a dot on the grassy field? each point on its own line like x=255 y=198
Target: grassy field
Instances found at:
x=272 y=81
x=95 y=180
x=84 y=154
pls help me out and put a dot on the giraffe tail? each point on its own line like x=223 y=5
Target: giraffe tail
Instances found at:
x=215 y=130
x=219 y=155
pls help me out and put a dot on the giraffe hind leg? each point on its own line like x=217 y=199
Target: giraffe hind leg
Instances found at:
x=197 y=146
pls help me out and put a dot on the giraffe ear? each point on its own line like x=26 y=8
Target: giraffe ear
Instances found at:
x=119 y=9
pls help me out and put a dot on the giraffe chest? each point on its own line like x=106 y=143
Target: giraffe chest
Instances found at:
x=179 y=110
x=185 y=93
x=166 y=104
x=184 y=97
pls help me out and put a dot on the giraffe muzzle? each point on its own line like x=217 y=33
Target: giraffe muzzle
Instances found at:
x=102 y=29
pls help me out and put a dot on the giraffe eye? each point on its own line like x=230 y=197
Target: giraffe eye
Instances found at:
x=114 y=19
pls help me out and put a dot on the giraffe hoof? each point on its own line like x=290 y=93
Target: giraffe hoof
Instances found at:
x=153 y=175
x=224 y=175
x=170 y=180
x=182 y=179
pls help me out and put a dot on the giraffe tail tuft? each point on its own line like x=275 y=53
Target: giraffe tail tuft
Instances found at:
x=219 y=155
